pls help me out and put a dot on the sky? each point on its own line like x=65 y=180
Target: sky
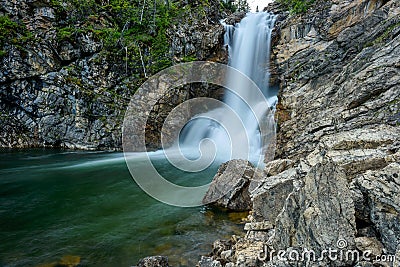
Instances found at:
x=260 y=3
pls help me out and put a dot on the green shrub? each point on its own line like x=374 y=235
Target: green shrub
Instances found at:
x=13 y=33
x=228 y=6
x=297 y=6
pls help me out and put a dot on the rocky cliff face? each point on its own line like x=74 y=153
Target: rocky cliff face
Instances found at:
x=334 y=184
x=339 y=78
x=69 y=69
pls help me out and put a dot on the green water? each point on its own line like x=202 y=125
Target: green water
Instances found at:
x=58 y=203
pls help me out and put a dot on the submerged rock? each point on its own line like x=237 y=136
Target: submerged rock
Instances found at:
x=154 y=261
x=65 y=261
x=70 y=260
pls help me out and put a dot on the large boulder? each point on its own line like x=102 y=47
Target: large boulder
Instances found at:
x=230 y=186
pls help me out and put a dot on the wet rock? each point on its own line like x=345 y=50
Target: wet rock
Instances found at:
x=230 y=186
x=154 y=261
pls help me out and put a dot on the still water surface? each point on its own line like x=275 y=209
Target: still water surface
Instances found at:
x=84 y=206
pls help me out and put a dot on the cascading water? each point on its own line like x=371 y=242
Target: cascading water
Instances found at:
x=240 y=127
x=248 y=44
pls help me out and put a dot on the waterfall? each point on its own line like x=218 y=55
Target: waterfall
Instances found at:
x=210 y=131
x=217 y=131
x=249 y=46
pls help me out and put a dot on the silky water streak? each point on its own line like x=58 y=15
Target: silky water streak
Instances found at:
x=248 y=44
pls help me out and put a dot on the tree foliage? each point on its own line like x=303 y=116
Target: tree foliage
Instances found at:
x=238 y=5
x=297 y=6
x=12 y=32
x=131 y=32
x=126 y=28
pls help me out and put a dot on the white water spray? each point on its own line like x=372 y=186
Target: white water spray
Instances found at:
x=237 y=134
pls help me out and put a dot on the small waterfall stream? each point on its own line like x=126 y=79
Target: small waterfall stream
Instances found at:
x=248 y=44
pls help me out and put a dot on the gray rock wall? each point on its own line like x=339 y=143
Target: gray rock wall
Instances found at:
x=73 y=93
x=338 y=70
